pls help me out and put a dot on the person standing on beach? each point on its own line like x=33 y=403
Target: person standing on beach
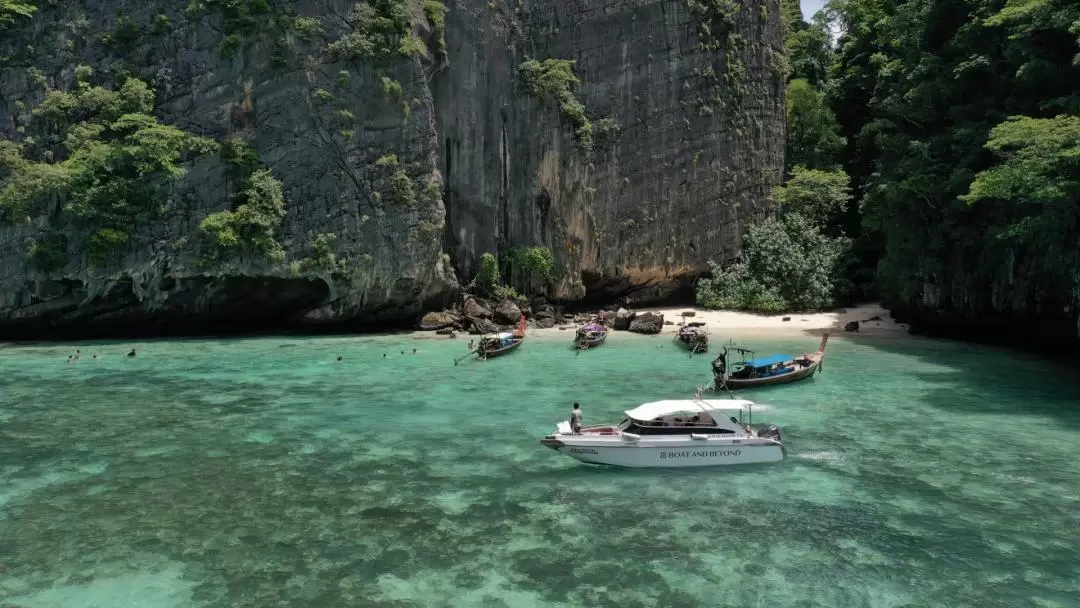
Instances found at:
x=575 y=419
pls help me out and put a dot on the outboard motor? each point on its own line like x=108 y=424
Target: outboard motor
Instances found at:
x=769 y=431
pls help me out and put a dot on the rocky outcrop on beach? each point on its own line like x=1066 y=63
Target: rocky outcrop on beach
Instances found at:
x=647 y=323
x=397 y=166
x=623 y=318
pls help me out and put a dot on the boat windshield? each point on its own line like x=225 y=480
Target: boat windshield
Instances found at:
x=676 y=425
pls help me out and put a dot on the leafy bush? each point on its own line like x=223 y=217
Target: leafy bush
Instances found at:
x=10 y=10
x=820 y=196
x=378 y=31
x=734 y=288
x=530 y=268
x=106 y=243
x=435 y=12
x=100 y=159
x=553 y=80
x=238 y=153
x=252 y=228
x=324 y=252
x=813 y=138
x=488 y=279
x=402 y=191
x=795 y=261
x=307 y=27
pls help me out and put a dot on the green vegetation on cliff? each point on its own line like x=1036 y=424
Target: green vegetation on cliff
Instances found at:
x=380 y=30
x=97 y=163
x=530 y=270
x=489 y=280
x=554 y=81
x=13 y=10
x=958 y=117
x=250 y=230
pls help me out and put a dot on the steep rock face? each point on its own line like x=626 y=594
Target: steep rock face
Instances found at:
x=699 y=143
x=700 y=139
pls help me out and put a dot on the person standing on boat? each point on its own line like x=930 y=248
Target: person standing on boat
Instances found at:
x=575 y=419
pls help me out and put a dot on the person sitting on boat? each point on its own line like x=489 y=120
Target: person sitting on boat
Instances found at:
x=575 y=419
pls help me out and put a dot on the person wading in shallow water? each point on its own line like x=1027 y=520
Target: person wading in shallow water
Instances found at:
x=575 y=419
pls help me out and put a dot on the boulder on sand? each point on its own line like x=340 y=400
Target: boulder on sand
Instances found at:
x=475 y=308
x=851 y=326
x=547 y=311
x=438 y=320
x=545 y=322
x=623 y=319
x=482 y=326
x=507 y=312
x=647 y=323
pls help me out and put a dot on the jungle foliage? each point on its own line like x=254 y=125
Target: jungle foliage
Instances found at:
x=958 y=122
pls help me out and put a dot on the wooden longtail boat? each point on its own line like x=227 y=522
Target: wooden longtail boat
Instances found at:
x=590 y=336
x=750 y=372
x=694 y=337
x=501 y=343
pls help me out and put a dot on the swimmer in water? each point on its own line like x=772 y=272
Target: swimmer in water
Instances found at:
x=339 y=357
x=414 y=351
x=131 y=354
x=384 y=355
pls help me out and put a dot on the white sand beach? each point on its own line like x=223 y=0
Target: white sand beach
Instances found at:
x=873 y=320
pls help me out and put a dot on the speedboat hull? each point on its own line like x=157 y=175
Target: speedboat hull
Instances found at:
x=667 y=454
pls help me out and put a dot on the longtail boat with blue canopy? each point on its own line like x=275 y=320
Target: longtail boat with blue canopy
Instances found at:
x=589 y=336
x=750 y=371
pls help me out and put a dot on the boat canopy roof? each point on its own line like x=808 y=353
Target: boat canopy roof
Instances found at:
x=770 y=360
x=502 y=335
x=658 y=409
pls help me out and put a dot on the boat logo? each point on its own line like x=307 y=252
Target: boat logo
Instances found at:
x=582 y=451
x=700 y=454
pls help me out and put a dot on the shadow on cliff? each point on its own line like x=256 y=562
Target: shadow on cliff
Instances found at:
x=196 y=307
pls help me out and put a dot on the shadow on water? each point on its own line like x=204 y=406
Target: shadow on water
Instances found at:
x=984 y=378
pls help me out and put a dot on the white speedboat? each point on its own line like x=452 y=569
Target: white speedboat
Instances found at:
x=674 y=433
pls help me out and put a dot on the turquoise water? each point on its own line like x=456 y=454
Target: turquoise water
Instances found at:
x=262 y=473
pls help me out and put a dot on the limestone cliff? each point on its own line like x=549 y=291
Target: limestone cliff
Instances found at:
x=400 y=164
